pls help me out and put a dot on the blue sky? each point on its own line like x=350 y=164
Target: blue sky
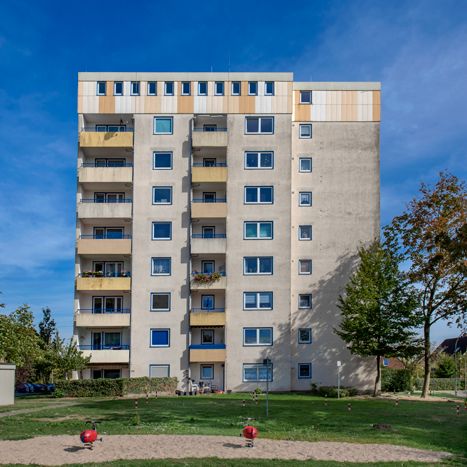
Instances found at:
x=417 y=49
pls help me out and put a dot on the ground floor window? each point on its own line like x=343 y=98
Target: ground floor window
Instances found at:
x=206 y=372
x=304 y=371
x=159 y=371
x=253 y=372
x=111 y=373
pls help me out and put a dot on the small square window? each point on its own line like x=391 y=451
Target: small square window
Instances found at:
x=162 y=195
x=202 y=88
x=304 y=232
x=161 y=266
x=152 y=88
x=118 y=88
x=134 y=88
x=160 y=337
x=162 y=160
x=304 y=198
x=305 y=164
x=304 y=300
x=305 y=97
x=163 y=125
x=160 y=301
x=219 y=88
x=159 y=371
x=162 y=230
x=169 y=88
x=269 y=88
x=304 y=266
x=186 y=88
x=304 y=336
x=206 y=372
x=252 y=88
x=304 y=371
x=101 y=88
x=236 y=88
x=305 y=130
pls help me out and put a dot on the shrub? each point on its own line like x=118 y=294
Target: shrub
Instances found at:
x=441 y=384
x=396 y=380
x=331 y=391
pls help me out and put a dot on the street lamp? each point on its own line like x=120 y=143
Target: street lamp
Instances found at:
x=339 y=365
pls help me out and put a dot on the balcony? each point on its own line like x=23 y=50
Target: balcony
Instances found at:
x=203 y=244
x=86 y=318
x=208 y=174
x=92 y=245
x=202 y=317
x=101 y=354
x=214 y=281
x=212 y=138
x=89 y=138
x=90 y=209
x=89 y=173
x=94 y=282
x=203 y=353
x=201 y=209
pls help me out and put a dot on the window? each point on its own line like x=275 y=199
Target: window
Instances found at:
x=134 y=88
x=159 y=371
x=304 y=266
x=160 y=337
x=257 y=264
x=304 y=198
x=202 y=88
x=258 y=230
x=208 y=231
x=104 y=162
x=304 y=300
x=304 y=371
x=207 y=336
x=162 y=160
x=208 y=267
x=110 y=373
x=305 y=130
x=110 y=128
x=257 y=336
x=169 y=88
x=259 y=160
x=219 y=88
x=163 y=125
x=160 y=301
x=257 y=300
x=385 y=361
x=305 y=97
x=236 y=88
x=108 y=232
x=259 y=194
x=304 y=336
x=269 y=88
x=161 y=266
x=304 y=232
x=162 y=195
x=152 y=88
x=207 y=302
x=206 y=372
x=304 y=164
x=259 y=125
x=118 y=88
x=107 y=304
x=255 y=372
x=101 y=88
x=252 y=88
x=162 y=230
x=186 y=88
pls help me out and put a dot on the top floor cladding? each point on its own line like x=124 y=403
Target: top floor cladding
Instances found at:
x=224 y=93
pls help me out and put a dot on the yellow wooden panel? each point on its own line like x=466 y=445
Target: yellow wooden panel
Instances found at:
x=107 y=102
x=247 y=103
x=152 y=104
x=185 y=104
x=376 y=113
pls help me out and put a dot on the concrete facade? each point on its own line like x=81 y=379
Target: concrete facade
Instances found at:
x=175 y=304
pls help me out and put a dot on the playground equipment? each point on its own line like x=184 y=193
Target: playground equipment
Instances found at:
x=89 y=436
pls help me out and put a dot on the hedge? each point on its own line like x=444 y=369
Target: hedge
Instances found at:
x=331 y=391
x=114 y=387
x=397 y=380
x=441 y=384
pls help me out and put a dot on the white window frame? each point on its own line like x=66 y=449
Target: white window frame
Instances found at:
x=154 y=188
x=98 y=93
x=266 y=93
x=161 y=238
x=249 y=89
x=239 y=93
x=154 y=154
x=215 y=88
x=258 y=191
x=302 y=204
x=259 y=132
x=258 y=262
x=160 y=117
x=308 y=92
x=159 y=365
x=311 y=301
x=259 y=166
x=310 y=338
x=138 y=84
x=156 y=345
x=258 y=227
x=302 y=159
x=303 y=261
x=161 y=273
x=149 y=87
x=165 y=88
x=258 y=301
x=206 y=365
x=115 y=88
x=161 y=310
x=199 y=88
x=258 y=343
x=257 y=367
x=183 y=93
x=302 y=239
x=301 y=127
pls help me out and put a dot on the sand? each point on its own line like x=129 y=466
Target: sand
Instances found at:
x=64 y=449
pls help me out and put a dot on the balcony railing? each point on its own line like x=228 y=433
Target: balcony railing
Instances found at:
x=101 y=275
x=116 y=201
x=216 y=164
x=202 y=200
x=207 y=346
x=107 y=237
x=104 y=347
x=107 y=129
x=103 y=310
x=214 y=310
x=207 y=236
x=209 y=130
x=221 y=273
x=112 y=165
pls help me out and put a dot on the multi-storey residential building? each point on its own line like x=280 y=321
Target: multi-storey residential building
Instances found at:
x=218 y=218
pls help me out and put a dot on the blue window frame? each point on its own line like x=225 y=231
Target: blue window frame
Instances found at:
x=258 y=265
x=118 y=88
x=305 y=130
x=304 y=371
x=169 y=88
x=206 y=372
x=306 y=97
x=162 y=160
x=257 y=336
x=304 y=336
x=208 y=302
x=259 y=160
x=160 y=337
x=259 y=195
x=219 y=88
x=202 y=88
x=134 y=88
x=259 y=125
x=252 y=88
x=269 y=88
x=163 y=125
x=236 y=88
x=260 y=230
x=256 y=372
x=305 y=164
x=304 y=300
x=304 y=198
x=162 y=230
x=152 y=88
x=161 y=266
x=257 y=301
x=101 y=89
x=160 y=301
x=305 y=232
x=161 y=195
x=186 y=88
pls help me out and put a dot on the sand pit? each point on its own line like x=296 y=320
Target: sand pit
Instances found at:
x=65 y=449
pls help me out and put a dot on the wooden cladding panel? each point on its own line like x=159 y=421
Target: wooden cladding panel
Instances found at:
x=107 y=103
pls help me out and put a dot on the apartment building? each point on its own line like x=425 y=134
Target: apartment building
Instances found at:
x=218 y=219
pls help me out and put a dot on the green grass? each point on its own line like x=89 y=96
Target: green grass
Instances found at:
x=429 y=425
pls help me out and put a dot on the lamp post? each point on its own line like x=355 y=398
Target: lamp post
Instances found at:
x=339 y=379
x=267 y=364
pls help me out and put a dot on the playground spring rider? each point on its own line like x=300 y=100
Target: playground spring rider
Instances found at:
x=249 y=433
x=90 y=435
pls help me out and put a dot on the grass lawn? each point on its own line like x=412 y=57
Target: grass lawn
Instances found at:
x=429 y=425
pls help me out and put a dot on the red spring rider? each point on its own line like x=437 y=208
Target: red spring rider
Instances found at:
x=89 y=436
x=250 y=433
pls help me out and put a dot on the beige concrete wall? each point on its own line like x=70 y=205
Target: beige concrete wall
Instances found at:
x=98 y=211
x=107 y=356
x=7 y=384
x=89 y=246
x=93 y=139
x=105 y=174
x=103 y=284
x=103 y=320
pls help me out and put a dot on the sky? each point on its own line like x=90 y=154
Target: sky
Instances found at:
x=417 y=49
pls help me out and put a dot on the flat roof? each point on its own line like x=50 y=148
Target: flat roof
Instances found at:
x=185 y=76
x=337 y=86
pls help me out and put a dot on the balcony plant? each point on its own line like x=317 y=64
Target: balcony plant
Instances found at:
x=210 y=278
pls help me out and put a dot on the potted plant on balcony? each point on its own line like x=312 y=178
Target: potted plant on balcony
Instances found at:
x=200 y=278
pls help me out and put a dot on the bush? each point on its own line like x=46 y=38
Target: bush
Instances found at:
x=115 y=387
x=395 y=380
x=441 y=384
x=331 y=391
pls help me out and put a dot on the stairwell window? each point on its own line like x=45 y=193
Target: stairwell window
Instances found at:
x=257 y=336
x=304 y=232
x=259 y=195
x=306 y=97
x=258 y=230
x=162 y=195
x=259 y=160
x=259 y=125
x=305 y=198
x=304 y=336
x=305 y=131
x=304 y=266
x=160 y=301
x=160 y=337
x=252 y=88
x=152 y=88
x=162 y=160
x=163 y=125
x=161 y=266
x=169 y=88
x=236 y=88
x=134 y=88
x=269 y=88
x=304 y=371
x=219 y=88
x=186 y=88
x=305 y=164
x=258 y=265
x=304 y=301
x=202 y=88
x=101 y=88
x=118 y=88
x=162 y=230
x=257 y=300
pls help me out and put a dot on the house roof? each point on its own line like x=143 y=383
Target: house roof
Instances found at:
x=454 y=345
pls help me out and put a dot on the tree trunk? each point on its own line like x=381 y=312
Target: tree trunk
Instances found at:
x=427 y=359
x=378 y=375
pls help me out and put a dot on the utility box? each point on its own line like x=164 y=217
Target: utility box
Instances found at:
x=7 y=384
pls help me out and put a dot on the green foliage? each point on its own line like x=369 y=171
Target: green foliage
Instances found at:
x=445 y=366
x=47 y=328
x=331 y=391
x=441 y=384
x=397 y=380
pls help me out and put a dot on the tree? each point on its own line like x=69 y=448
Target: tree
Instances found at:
x=445 y=367
x=377 y=309
x=431 y=238
x=68 y=358
x=47 y=327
